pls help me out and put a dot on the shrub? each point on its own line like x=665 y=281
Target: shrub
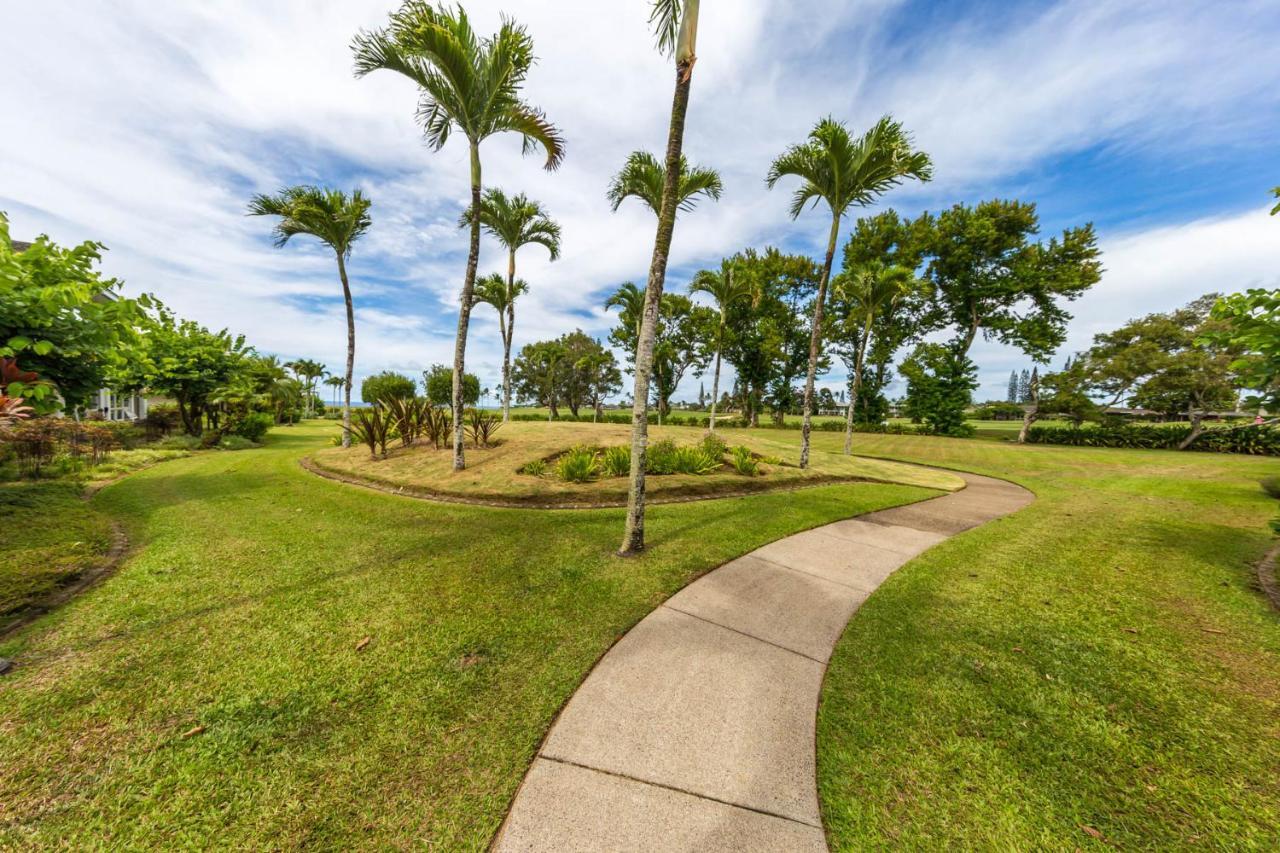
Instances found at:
x=160 y=421
x=579 y=465
x=714 y=445
x=616 y=461
x=179 y=442
x=660 y=458
x=536 y=468
x=1271 y=485
x=407 y=415
x=373 y=428
x=744 y=463
x=1255 y=440
x=252 y=426
x=694 y=460
x=437 y=423
x=236 y=442
x=481 y=426
x=381 y=386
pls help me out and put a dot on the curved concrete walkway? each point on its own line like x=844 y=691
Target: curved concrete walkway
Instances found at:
x=696 y=730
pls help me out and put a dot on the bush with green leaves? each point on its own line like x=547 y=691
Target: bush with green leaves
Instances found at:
x=373 y=427
x=236 y=442
x=182 y=441
x=387 y=385
x=1271 y=485
x=579 y=465
x=536 y=468
x=744 y=462
x=407 y=415
x=1254 y=440
x=616 y=461
x=253 y=426
x=714 y=445
x=481 y=426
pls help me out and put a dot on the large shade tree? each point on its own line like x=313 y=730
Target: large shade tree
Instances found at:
x=727 y=287
x=675 y=23
x=515 y=222
x=338 y=220
x=840 y=171
x=470 y=85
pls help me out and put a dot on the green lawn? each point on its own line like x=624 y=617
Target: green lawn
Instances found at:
x=243 y=611
x=1102 y=659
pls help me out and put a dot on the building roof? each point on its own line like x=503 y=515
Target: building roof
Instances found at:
x=21 y=245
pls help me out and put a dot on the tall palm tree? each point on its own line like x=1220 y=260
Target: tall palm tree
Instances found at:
x=472 y=85
x=337 y=221
x=629 y=300
x=335 y=382
x=501 y=294
x=515 y=222
x=726 y=287
x=307 y=371
x=868 y=291
x=643 y=177
x=675 y=23
x=843 y=172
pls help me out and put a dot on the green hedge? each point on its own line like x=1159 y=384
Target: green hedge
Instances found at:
x=1254 y=440
x=729 y=423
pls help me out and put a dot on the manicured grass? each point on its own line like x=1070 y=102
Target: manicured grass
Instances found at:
x=494 y=473
x=239 y=624
x=1097 y=670
x=51 y=536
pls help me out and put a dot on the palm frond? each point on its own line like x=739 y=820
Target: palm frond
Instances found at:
x=664 y=19
x=329 y=215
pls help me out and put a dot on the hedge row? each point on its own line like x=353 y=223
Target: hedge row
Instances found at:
x=1254 y=440
x=729 y=423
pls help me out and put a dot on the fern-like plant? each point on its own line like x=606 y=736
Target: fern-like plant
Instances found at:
x=481 y=426
x=616 y=461
x=744 y=462
x=579 y=465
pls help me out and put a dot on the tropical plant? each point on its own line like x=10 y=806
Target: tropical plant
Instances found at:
x=436 y=425
x=338 y=221
x=726 y=289
x=373 y=426
x=579 y=465
x=744 y=462
x=481 y=425
x=843 y=172
x=629 y=300
x=308 y=372
x=675 y=22
x=1275 y=191
x=377 y=389
x=12 y=411
x=714 y=445
x=407 y=415
x=472 y=85
x=865 y=293
x=616 y=461
x=514 y=222
x=642 y=177
x=536 y=468
x=335 y=382
x=437 y=382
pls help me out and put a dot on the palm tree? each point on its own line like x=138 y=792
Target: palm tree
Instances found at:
x=868 y=291
x=308 y=372
x=501 y=294
x=1276 y=192
x=725 y=288
x=629 y=299
x=471 y=85
x=643 y=177
x=335 y=382
x=515 y=222
x=337 y=221
x=676 y=24
x=843 y=172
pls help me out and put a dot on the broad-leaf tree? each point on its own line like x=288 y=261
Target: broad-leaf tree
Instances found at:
x=514 y=222
x=1250 y=322
x=727 y=287
x=387 y=385
x=338 y=221
x=437 y=383
x=861 y=296
x=676 y=24
x=841 y=172
x=470 y=85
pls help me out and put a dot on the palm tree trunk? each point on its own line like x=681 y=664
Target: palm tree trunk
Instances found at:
x=351 y=352
x=633 y=536
x=715 y=393
x=815 y=343
x=506 y=363
x=855 y=388
x=464 y=314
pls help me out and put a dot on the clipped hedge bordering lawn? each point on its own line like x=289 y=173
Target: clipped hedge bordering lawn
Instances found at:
x=1251 y=440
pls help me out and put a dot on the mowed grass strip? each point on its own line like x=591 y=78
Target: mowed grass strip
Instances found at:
x=1098 y=670
x=494 y=473
x=291 y=662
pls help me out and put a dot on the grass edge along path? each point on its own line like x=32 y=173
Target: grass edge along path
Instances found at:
x=287 y=661
x=1100 y=670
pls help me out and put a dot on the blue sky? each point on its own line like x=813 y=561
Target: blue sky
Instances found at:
x=147 y=126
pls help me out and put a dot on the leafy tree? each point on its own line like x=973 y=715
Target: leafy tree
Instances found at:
x=601 y=377
x=514 y=222
x=387 y=385
x=842 y=172
x=940 y=383
x=438 y=383
x=1024 y=387
x=1250 y=322
x=338 y=221
x=185 y=361
x=537 y=374
x=472 y=85
x=682 y=333
x=861 y=296
x=676 y=24
x=726 y=290
x=62 y=321
x=629 y=300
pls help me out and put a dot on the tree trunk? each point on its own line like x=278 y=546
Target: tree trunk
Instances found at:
x=508 y=335
x=351 y=353
x=464 y=313
x=1032 y=413
x=715 y=393
x=633 y=536
x=815 y=342
x=855 y=388
x=1196 y=417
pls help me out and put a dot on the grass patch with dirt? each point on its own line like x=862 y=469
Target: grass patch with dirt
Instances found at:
x=1097 y=671
x=504 y=473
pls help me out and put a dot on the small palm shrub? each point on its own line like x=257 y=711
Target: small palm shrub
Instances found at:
x=579 y=465
x=373 y=426
x=481 y=426
x=714 y=445
x=536 y=468
x=616 y=461
x=744 y=462
x=437 y=423
x=407 y=415
x=695 y=460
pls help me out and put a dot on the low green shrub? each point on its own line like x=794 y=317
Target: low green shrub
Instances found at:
x=660 y=458
x=616 y=461
x=536 y=468
x=236 y=442
x=744 y=462
x=179 y=442
x=579 y=465
x=714 y=445
x=1253 y=440
x=1271 y=485
x=253 y=426
x=694 y=460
